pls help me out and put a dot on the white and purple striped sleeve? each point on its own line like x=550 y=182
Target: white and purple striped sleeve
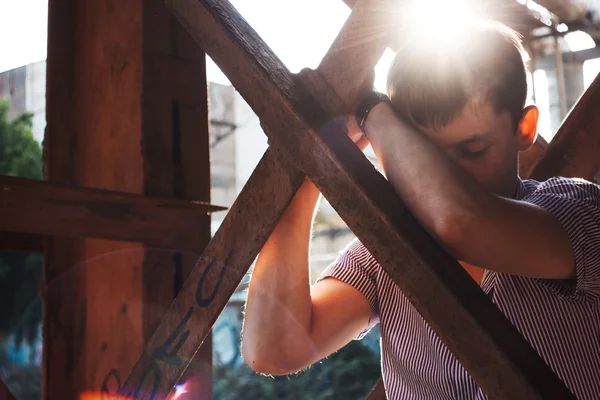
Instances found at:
x=575 y=203
x=356 y=267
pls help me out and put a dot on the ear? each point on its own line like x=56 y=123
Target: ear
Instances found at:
x=528 y=127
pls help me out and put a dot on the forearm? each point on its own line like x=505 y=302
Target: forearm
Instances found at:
x=278 y=309
x=433 y=187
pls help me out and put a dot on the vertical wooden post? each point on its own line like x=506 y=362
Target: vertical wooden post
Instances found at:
x=5 y=394
x=92 y=138
x=177 y=163
x=127 y=111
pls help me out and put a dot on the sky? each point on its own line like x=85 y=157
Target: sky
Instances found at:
x=298 y=35
x=291 y=28
x=23 y=32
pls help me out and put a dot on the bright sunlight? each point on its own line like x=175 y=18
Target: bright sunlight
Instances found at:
x=436 y=22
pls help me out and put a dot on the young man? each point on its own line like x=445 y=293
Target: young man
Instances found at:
x=448 y=141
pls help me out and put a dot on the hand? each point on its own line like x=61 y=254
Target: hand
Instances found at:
x=312 y=80
x=358 y=137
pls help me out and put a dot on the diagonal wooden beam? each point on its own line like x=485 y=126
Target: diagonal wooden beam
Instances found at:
x=364 y=36
x=378 y=391
x=214 y=279
x=529 y=159
x=534 y=164
x=574 y=150
x=475 y=330
x=5 y=393
x=267 y=193
x=45 y=208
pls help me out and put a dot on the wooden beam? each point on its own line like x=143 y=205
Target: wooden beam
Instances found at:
x=476 y=331
x=214 y=279
x=125 y=112
x=523 y=163
x=60 y=319
x=479 y=335
x=235 y=246
x=364 y=36
x=378 y=392
x=175 y=127
x=93 y=139
x=578 y=57
x=528 y=159
x=45 y=208
x=16 y=241
x=5 y=393
x=573 y=152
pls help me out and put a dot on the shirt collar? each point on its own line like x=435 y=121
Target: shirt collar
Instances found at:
x=521 y=189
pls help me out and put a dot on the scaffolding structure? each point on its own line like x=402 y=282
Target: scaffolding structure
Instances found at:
x=307 y=139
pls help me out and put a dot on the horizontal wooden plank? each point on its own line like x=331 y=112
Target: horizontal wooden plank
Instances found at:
x=44 y=208
x=483 y=340
x=18 y=241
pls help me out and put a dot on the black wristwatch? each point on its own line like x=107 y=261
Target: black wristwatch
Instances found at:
x=366 y=105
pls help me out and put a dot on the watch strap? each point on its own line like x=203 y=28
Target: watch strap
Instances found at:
x=366 y=105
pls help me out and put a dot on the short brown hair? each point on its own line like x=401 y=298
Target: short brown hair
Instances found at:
x=431 y=85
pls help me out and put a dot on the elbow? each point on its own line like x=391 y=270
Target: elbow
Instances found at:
x=461 y=228
x=267 y=361
x=452 y=231
x=266 y=367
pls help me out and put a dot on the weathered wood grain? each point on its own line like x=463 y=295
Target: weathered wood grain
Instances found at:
x=473 y=328
x=175 y=127
x=575 y=149
x=222 y=266
x=5 y=394
x=528 y=159
x=378 y=392
x=364 y=36
x=244 y=231
x=94 y=81
x=45 y=208
x=127 y=112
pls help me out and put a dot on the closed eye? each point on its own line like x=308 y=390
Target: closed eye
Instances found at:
x=472 y=149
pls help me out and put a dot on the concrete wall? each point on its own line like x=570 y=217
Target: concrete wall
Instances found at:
x=12 y=88
x=25 y=89
x=222 y=146
x=35 y=97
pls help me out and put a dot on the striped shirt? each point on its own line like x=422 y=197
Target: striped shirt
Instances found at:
x=559 y=318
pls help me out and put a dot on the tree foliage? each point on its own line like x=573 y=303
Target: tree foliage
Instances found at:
x=20 y=273
x=20 y=153
x=348 y=374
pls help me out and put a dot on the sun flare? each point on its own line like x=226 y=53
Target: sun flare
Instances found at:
x=437 y=22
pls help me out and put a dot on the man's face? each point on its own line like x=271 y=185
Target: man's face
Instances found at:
x=485 y=144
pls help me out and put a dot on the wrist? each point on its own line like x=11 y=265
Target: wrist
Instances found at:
x=377 y=118
x=367 y=105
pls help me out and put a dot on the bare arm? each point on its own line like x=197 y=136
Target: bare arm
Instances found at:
x=286 y=327
x=474 y=224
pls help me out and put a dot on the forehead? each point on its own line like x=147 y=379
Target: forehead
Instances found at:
x=475 y=120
